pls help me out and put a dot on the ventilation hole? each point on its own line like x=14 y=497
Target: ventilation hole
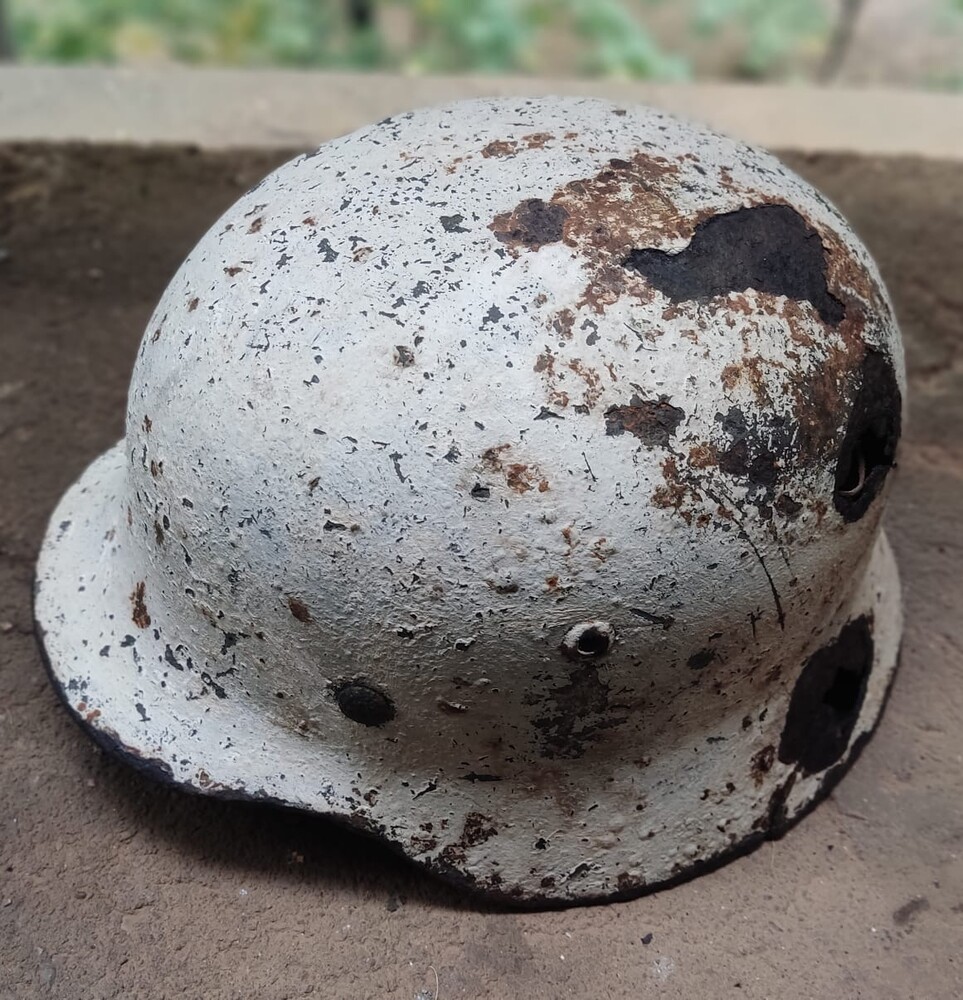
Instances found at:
x=364 y=704
x=592 y=642
x=869 y=444
x=588 y=640
x=857 y=478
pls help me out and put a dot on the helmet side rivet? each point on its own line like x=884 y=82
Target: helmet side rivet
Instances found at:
x=364 y=704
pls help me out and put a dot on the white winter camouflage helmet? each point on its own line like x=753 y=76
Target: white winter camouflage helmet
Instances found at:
x=504 y=479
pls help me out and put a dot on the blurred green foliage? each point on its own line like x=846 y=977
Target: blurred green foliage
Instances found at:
x=773 y=29
x=604 y=37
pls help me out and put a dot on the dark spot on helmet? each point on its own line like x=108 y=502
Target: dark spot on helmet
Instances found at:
x=362 y=703
x=299 y=609
x=827 y=698
x=770 y=248
x=762 y=761
x=702 y=659
x=872 y=433
x=404 y=356
x=533 y=224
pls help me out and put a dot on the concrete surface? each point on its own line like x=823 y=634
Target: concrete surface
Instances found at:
x=113 y=888
x=223 y=108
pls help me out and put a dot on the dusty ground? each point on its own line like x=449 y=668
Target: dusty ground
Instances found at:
x=113 y=888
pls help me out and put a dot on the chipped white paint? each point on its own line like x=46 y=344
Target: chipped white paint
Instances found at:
x=426 y=406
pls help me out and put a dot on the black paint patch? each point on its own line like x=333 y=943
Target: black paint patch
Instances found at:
x=362 y=703
x=788 y=507
x=759 y=446
x=580 y=712
x=453 y=223
x=872 y=433
x=213 y=685
x=775 y=820
x=770 y=248
x=666 y=621
x=827 y=699
x=653 y=422
x=534 y=224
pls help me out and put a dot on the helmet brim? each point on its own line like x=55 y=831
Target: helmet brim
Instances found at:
x=169 y=723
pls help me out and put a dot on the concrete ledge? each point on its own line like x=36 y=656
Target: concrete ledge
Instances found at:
x=219 y=108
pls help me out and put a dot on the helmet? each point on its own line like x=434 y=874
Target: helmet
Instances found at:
x=505 y=480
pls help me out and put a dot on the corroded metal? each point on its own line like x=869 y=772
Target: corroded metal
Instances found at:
x=504 y=479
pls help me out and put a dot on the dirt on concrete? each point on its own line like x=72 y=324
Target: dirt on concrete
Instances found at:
x=112 y=887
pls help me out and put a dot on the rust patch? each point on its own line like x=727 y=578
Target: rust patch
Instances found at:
x=232 y=271
x=148 y=424
x=761 y=763
x=140 y=616
x=193 y=304
x=500 y=148
x=546 y=365
x=519 y=476
x=564 y=322
x=156 y=468
x=477 y=829
x=653 y=422
x=299 y=609
x=626 y=204
x=592 y=380
x=255 y=226
x=702 y=456
x=672 y=494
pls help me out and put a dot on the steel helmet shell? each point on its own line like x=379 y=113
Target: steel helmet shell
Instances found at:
x=504 y=479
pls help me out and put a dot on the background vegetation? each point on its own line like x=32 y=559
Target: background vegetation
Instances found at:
x=762 y=38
